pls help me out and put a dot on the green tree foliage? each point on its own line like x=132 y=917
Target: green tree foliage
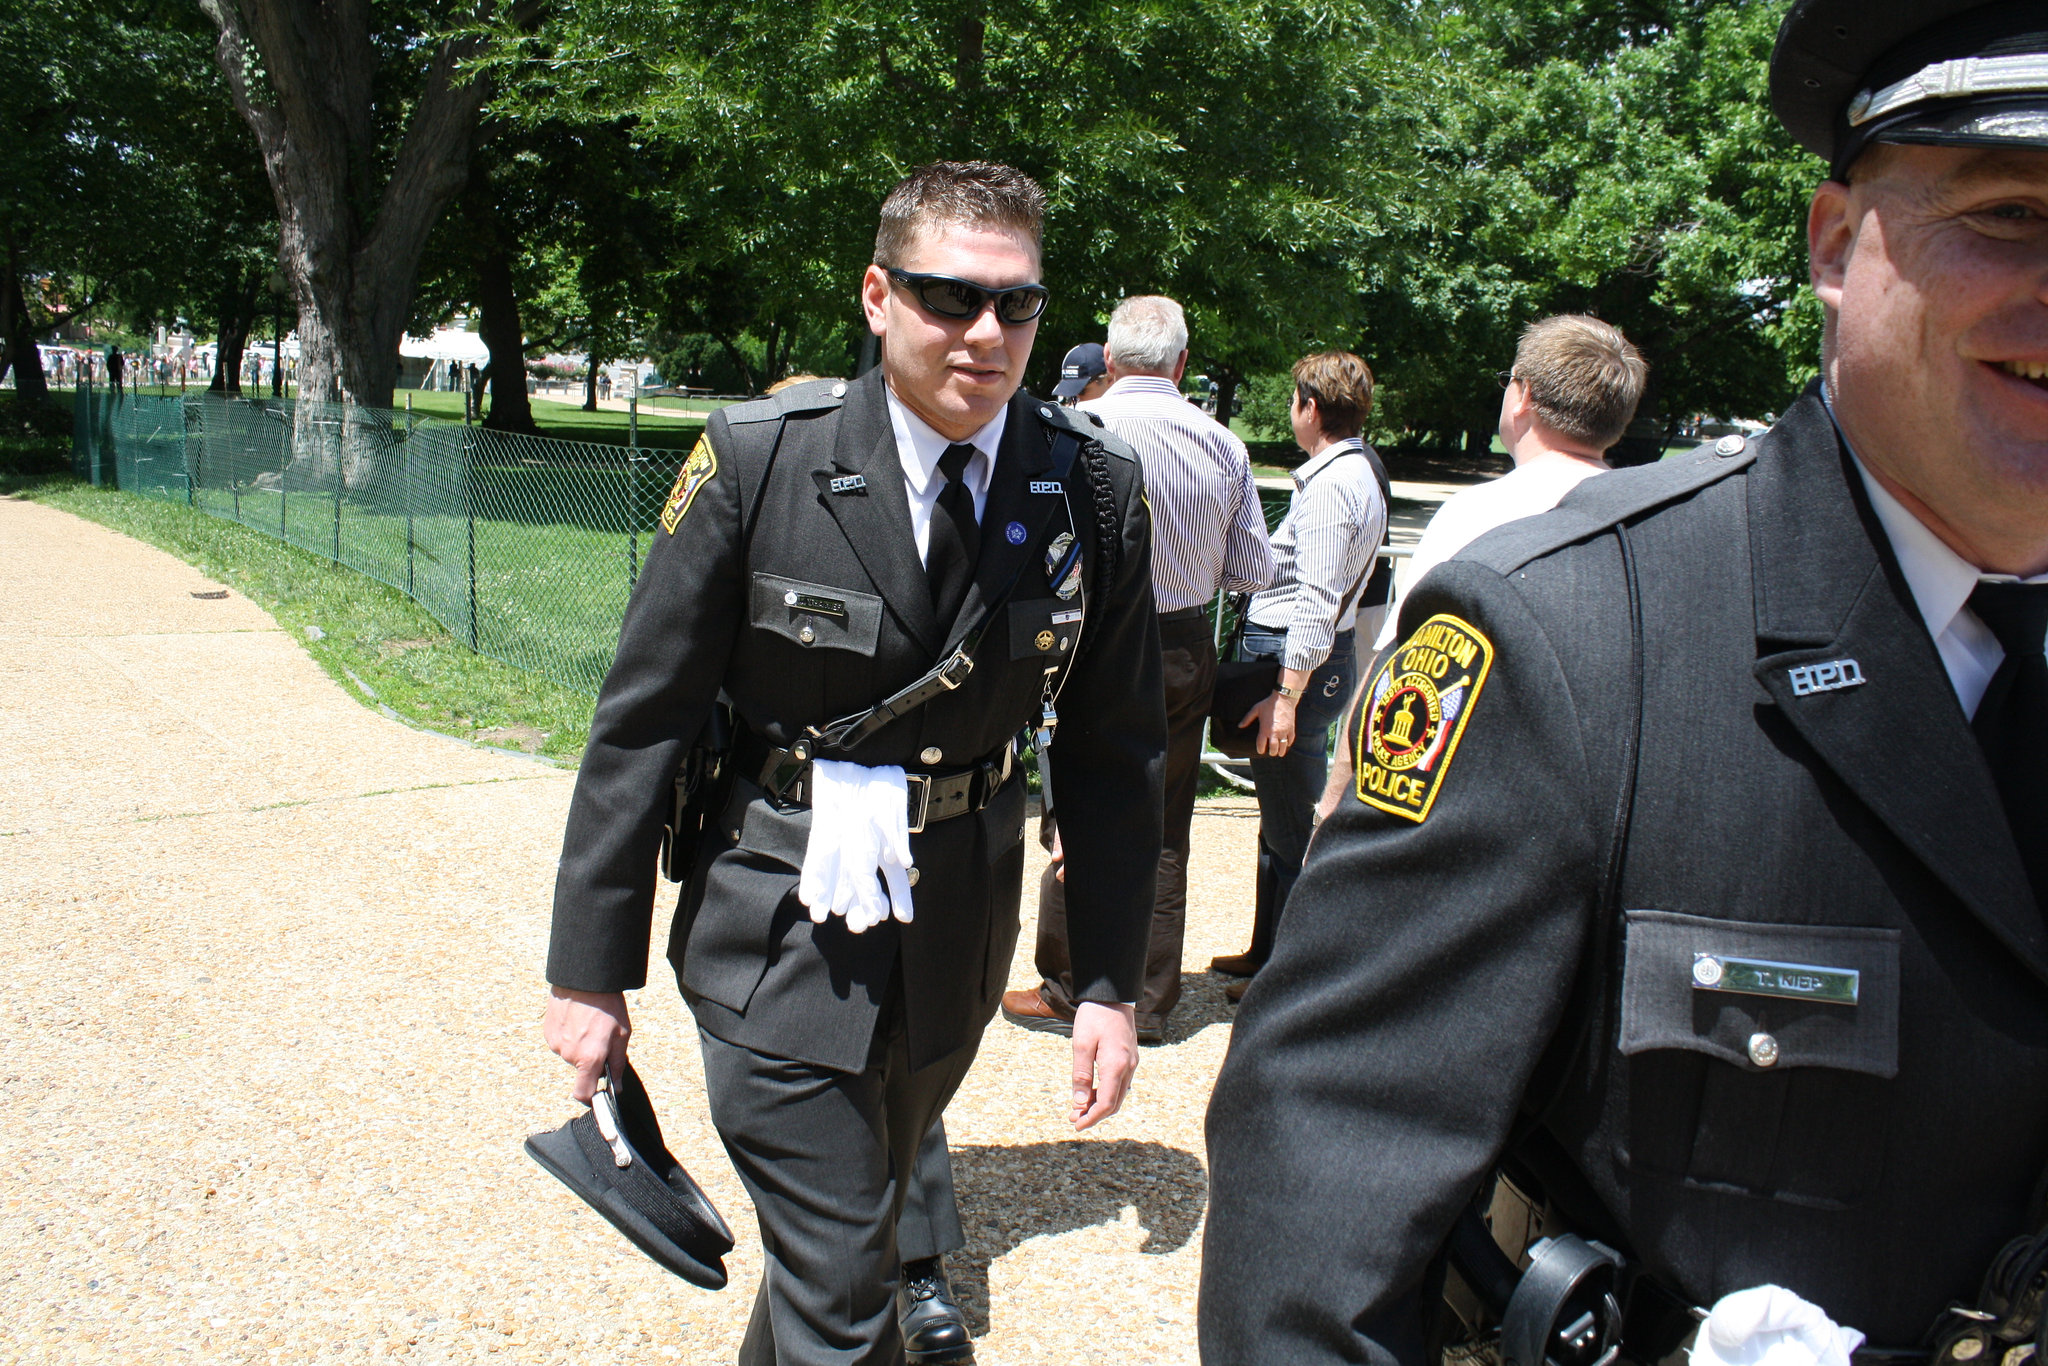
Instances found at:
x=1204 y=150
x=1615 y=160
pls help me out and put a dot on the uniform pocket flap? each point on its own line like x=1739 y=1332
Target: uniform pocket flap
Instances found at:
x=817 y=615
x=782 y=835
x=1043 y=626
x=1762 y=996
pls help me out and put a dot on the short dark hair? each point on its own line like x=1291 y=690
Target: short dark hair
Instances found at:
x=1340 y=385
x=983 y=194
x=1584 y=377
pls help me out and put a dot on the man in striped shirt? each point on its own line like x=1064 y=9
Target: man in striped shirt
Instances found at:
x=1208 y=535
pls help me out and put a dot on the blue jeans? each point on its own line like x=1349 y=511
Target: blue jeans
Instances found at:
x=1290 y=785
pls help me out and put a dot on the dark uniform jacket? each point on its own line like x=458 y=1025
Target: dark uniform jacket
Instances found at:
x=711 y=611
x=1871 y=1157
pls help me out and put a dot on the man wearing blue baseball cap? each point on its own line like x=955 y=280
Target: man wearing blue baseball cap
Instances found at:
x=1084 y=374
x=1704 y=822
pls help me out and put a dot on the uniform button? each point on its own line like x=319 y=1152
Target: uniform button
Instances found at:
x=789 y=598
x=839 y=391
x=1730 y=444
x=807 y=635
x=910 y=874
x=1967 y=1349
x=931 y=754
x=1063 y=642
x=1045 y=412
x=1763 y=1050
x=735 y=835
x=1706 y=970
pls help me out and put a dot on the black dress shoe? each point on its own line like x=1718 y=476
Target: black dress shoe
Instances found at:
x=934 y=1330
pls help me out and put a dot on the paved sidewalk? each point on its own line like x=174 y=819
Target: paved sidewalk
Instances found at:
x=269 y=1042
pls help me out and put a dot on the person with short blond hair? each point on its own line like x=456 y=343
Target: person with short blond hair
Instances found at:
x=1572 y=393
x=1582 y=377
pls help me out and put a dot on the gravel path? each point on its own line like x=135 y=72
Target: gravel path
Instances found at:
x=269 y=1038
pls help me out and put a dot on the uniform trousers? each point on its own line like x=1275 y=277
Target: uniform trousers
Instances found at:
x=1290 y=784
x=826 y=1158
x=1188 y=654
x=930 y=1224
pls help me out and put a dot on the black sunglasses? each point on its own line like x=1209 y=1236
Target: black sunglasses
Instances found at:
x=951 y=297
x=1506 y=377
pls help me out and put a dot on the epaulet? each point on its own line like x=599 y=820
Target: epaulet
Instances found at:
x=1600 y=503
x=812 y=396
x=1087 y=426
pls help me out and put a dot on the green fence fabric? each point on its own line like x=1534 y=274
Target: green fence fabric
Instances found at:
x=524 y=547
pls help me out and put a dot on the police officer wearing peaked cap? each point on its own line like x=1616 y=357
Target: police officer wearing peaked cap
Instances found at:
x=823 y=551
x=1694 y=871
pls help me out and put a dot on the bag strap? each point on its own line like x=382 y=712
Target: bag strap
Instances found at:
x=848 y=732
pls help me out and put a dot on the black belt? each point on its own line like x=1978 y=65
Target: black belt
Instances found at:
x=1183 y=613
x=785 y=778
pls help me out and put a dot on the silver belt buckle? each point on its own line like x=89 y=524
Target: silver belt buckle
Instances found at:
x=920 y=792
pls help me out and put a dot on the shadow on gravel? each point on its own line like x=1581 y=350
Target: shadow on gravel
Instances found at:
x=1202 y=1003
x=1010 y=1194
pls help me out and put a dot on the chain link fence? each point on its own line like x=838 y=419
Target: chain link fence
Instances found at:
x=525 y=547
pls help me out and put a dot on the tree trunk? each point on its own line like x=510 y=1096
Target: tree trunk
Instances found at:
x=590 y=384
x=304 y=78
x=31 y=388
x=1226 y=380
x=239 y=291
x=499 y=326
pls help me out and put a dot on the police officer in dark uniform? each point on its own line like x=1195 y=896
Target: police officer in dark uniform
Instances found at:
x=832 y=548
x=1695 y=866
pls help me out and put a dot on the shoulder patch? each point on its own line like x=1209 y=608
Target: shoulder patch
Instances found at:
x=695 y=474
x=1415 y=714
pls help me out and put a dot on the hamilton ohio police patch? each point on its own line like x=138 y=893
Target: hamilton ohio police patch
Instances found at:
x=695 y=473
x=1415 y=715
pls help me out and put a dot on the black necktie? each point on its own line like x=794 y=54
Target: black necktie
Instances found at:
x=2012 y=720
x=955 y=544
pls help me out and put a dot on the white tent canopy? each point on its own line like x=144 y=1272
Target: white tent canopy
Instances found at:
x=447 y=343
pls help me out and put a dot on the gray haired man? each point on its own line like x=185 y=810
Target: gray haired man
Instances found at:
x=1208 y=535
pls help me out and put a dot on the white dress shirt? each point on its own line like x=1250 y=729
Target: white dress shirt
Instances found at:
x=1524 y=491
x=1942 y=582
x=918 y=447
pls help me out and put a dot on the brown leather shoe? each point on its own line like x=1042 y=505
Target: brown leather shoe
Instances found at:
x=1236 y=965
x=1028 y=1009
x=1151 y=1029
x=1235 y=991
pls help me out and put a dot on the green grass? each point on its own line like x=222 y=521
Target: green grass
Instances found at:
x=566 y=422
x=390 y=644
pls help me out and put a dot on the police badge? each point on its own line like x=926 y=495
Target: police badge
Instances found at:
x=1063 y=566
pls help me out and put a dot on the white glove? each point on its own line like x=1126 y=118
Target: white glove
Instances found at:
x=859 y=826
x=1768 y=1325
x=891 y=806
x=818 y=885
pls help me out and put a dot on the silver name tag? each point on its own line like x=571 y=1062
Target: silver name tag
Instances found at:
x=1045 y=486
x=1836 y=673
x=1761 y=977
x=849 y=483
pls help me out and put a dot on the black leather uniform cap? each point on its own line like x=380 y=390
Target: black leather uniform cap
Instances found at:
x=651 y=1200
x=1957 y=73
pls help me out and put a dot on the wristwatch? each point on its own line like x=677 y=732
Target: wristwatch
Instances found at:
x=1291 y=694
